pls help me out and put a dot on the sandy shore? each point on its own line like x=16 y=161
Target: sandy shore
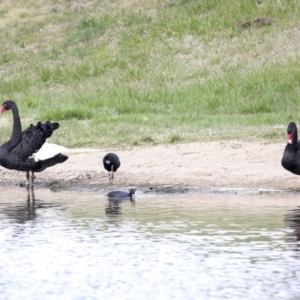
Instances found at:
x=193 y=166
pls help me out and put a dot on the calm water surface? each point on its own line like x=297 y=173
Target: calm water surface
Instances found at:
x=77 y=245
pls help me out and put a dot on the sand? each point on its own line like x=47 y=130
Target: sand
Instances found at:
x=220 y=165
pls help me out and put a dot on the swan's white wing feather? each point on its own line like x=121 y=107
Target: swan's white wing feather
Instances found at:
x=49 y=150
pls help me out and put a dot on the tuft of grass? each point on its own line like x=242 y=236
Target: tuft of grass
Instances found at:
x=175 y=139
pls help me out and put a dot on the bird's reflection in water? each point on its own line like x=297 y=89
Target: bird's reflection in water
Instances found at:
x=30 y=194
x=21 y=213
x=292 y=220
x=27 y=211
x=114 y=205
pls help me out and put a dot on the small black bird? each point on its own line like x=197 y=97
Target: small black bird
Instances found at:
x=111 y=164
x=291 y=155
x=121 y=195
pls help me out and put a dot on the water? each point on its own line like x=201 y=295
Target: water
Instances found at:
x=74 y=245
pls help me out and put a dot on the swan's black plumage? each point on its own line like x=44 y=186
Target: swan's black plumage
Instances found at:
x=291 y=155
x=111 y=163
x=16 y=153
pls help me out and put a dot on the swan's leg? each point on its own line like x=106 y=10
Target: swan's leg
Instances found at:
x=27 y=186
x=32 y=178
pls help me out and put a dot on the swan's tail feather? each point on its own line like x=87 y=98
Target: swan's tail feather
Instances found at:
x=44 y=164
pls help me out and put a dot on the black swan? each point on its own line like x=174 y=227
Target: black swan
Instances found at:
x=121 y=195
x=111 y=164
x=21 y=151
x=291 y=155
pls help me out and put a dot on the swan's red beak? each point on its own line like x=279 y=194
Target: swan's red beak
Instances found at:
x=290 y=138
x=3 y=109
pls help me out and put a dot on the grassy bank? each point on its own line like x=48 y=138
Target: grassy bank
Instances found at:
x=135 y=72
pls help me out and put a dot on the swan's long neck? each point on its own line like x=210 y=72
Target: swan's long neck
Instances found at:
x=17 y=127
x=296 y=136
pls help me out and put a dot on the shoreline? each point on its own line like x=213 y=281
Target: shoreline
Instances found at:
x=231 y=166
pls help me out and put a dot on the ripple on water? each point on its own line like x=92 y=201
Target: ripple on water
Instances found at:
x=77 y=245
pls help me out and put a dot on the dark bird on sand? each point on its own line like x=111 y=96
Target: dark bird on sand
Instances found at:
x=21 y=151
x=111 y=163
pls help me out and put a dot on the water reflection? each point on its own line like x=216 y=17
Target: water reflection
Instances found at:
x=28 y=211
x=20 y=213
x=114 y=205
x=30 y=193
x=292 y=220
x=113 y=208
x=186 y=246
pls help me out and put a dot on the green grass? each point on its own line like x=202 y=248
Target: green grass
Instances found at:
x=122 y=73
